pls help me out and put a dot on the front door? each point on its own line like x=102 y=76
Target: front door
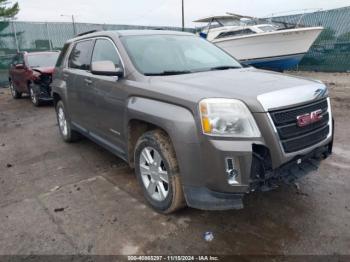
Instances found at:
x=109 y=95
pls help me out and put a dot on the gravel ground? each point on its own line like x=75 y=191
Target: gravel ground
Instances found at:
x=58 y=198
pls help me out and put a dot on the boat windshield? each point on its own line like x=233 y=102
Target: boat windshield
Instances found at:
x=267 y=28
x=229 y=22
x=176 y=54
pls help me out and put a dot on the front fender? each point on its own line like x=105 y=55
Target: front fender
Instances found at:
x=60 y=88
x=180 y=125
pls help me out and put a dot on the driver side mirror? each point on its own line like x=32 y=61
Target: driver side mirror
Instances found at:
x=106 y=68
x=20 y=66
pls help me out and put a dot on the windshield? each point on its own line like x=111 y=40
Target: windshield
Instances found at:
x=43 y=60
x=175 y=54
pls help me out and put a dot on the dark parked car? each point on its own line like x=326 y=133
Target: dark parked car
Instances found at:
x=31 y=73
x=198 y=128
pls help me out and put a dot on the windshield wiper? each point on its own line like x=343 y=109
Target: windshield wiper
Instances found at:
x=223 y=68
x=168 y=73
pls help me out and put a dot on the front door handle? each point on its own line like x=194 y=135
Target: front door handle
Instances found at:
x=88 y=81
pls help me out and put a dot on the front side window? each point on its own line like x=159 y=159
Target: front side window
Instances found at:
x=172 y=54
x=81 y=55
x=105 y=51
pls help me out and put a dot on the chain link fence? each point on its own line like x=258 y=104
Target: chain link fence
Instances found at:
x=33 y=36
x=330 y=52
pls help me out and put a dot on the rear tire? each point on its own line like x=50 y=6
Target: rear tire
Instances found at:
x=15 y=94
x=64 y=124
x=157 y=170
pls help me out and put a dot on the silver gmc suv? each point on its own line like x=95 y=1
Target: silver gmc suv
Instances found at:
x=198 y=128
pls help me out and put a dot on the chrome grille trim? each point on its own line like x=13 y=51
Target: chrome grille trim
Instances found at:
x=310 y=148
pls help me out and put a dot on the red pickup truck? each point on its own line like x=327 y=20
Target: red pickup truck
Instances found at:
x=31 y=73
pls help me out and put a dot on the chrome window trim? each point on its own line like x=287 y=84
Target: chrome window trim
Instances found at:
x=309 y=149
x=72 y=45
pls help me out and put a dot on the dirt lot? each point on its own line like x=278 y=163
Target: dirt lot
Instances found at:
x=57 y=198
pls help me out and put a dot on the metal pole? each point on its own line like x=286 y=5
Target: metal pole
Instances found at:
x=74 y=26
x=48 y=36
x=15 y=34
x=183 y=15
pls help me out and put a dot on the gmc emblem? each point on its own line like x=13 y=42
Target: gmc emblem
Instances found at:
x=307 y=119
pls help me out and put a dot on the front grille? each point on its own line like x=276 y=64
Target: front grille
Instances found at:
x=295 y=138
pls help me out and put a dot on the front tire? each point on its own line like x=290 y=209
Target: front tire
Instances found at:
x=157 y=170
x=64 y=124
x=15 y=94
x=34 y=97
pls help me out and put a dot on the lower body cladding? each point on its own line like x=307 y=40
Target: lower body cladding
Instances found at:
x=227 y=176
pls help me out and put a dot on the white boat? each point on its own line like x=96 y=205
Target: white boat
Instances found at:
x=261 y=45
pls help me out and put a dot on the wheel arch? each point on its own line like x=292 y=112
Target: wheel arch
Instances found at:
x=136 y=128
x=176 y=121
x=56 y=98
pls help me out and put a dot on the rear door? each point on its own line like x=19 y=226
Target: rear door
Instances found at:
x=12 y=71
x=19 y=74
x=76 y=75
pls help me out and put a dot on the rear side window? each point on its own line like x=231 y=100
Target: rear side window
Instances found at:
x=81 y=55
x=105 y=51
x=62 y=55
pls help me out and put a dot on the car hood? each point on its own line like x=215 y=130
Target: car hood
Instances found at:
x=44 y=70
x=260 y=90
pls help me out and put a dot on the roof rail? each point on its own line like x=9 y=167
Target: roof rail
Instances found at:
x=87 y=32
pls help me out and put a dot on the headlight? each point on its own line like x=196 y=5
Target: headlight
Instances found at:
x=227 y=117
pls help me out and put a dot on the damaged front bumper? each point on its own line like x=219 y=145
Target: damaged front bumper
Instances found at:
x=43 y=91
x=42 y=86
x=263 y=178
x=230 y=168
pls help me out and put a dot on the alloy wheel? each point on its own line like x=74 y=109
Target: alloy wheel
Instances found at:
x=33 y=96
x=154 y=175
x=12 y=89
x=62 y=121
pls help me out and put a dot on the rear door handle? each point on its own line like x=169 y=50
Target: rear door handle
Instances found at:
x=88 y=81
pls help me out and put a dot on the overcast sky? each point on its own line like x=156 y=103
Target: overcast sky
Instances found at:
x=159 y=12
